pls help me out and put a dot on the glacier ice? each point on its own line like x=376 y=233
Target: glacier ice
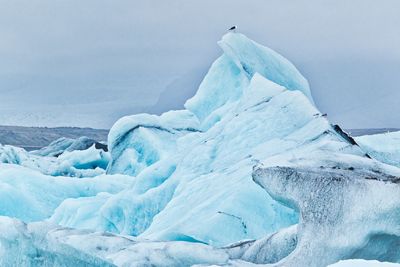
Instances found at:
x=384 y=147
x=138 y=141
x=63 y=144
x=179 y=188
x=75 y=163
x=32 y=196
x=332 y=203
x=273 y=248
x=230 y=73
x=45 y=244
x=186 y=162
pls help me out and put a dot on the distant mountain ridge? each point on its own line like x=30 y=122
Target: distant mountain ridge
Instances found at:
x=31 y=138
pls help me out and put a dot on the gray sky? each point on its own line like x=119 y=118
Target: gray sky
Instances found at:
x=87 y=63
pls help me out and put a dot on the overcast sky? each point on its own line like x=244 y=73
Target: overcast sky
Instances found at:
x=87 y=63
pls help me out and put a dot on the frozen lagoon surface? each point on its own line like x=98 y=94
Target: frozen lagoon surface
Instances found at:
x=241 y=176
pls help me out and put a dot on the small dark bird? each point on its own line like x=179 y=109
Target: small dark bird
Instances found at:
x=232 y=29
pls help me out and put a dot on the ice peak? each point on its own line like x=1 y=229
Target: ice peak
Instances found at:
x=231 y=73
x=252 y=57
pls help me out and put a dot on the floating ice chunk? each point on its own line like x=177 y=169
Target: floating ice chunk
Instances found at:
x=63 y=144
x=90 y=158
x=78 y=163
x=273 y=248
x=55 y=148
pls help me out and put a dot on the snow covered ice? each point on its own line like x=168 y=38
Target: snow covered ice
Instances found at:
x=383 y=147
x=31 y=196
x=63 y=144
x=178 y=189
x=74 y=163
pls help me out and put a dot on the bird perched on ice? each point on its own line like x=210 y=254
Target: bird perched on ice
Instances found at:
x=232 y=29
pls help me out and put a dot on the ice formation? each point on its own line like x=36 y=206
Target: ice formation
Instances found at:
x=32 y=196
x=383 y=147
x=75 y=163
x=332 y=202
x=63 y=144
x=185 y=181
x=44 y=244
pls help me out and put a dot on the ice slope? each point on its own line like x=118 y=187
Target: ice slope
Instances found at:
x=345 y=213
x=230 y=73
x=32 y=196
x=77 y=163
x=43 y=244
x=55 y=148
x=193 y=167
x=384 y=147
x=46 y=244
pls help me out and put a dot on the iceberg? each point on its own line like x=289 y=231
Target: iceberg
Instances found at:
x=63 y=144
x=250 y=172
x=90 y=162
x=193 y=167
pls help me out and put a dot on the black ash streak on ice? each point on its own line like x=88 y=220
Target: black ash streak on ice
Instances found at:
x=328 y=200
